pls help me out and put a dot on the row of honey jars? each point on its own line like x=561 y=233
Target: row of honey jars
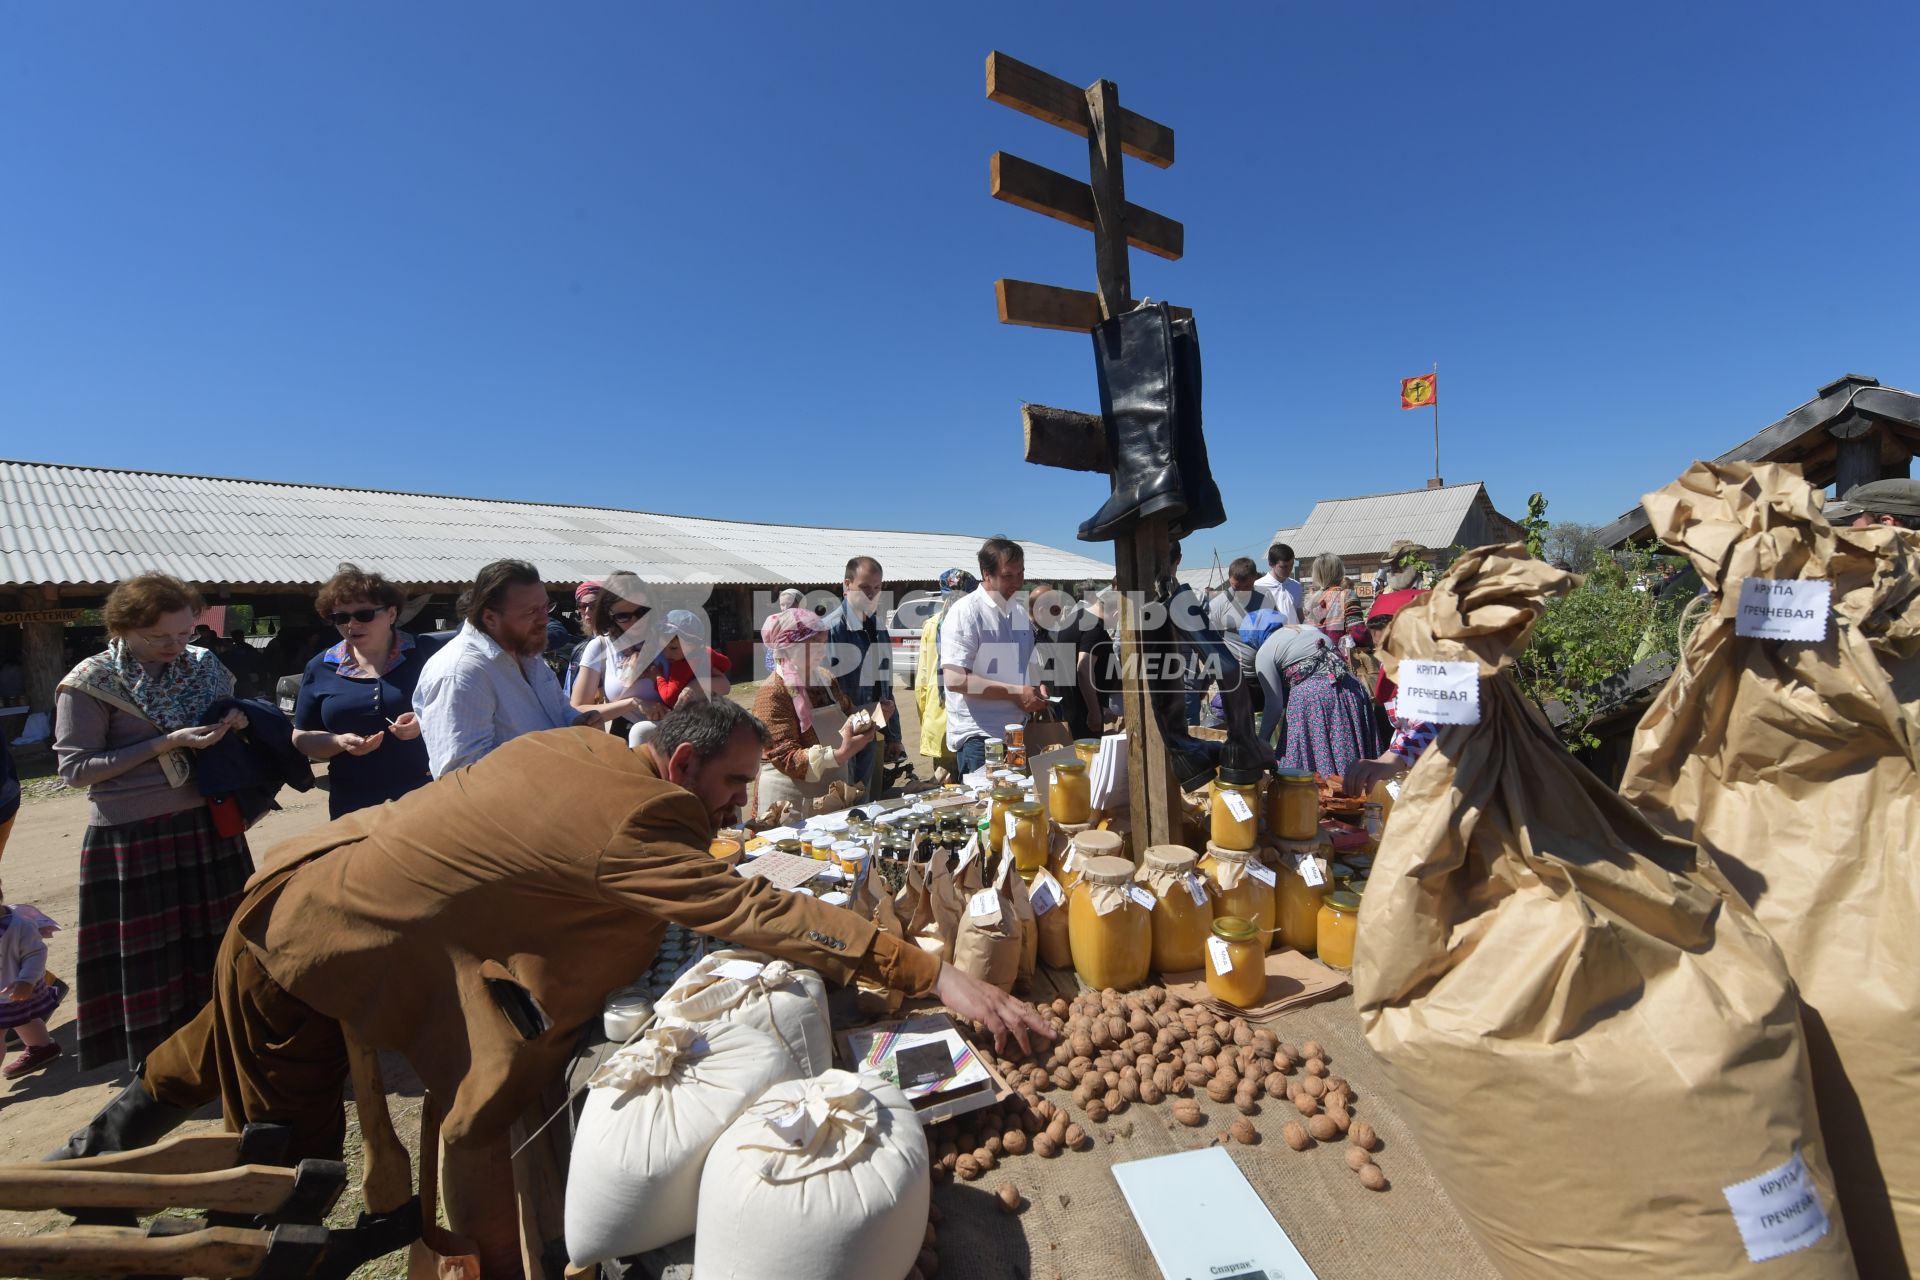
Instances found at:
x=1182 y=910
x=1110 y=931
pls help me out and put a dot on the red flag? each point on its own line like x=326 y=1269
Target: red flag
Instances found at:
x=1419 y=392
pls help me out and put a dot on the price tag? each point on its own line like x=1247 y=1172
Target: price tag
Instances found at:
x=1141 y=896
x=1778 y=1212
x=1262 y=872
x=739 y=970
x=1789 y=609
x=1236 y=805
x=1440 y=692
x=968 y=852
x=1045 y=895
x=984 y=903
x=1393 y=789
x=1196 y=889
x=1011 y=824
x=1310 y=869
x=1221 y=954
x=1073 y=856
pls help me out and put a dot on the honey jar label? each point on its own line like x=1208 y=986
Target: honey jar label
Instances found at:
x=1196 y=889
x=1262 y=872
x=1237 y=806
x=1221 y=955
x=1140 y=896
x=1310 y=871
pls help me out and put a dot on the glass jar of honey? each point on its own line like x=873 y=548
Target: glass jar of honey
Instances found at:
x=1069 y=793
x=1299 y=901
x=1241 y=886
x=1027 y=837
x=1083 y=848
x=820 y=845
x=1086 y=749
x=1004 y=798
x=1183 y=910
x=795 y=848
x=1112 y=935
x=1293 y=805
x=1339 y=925
x=1235 y=824
x=1236 y=962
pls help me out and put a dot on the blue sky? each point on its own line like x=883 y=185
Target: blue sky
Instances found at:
x=738 y=260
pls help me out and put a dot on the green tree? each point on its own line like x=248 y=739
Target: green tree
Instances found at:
x=1536 y=525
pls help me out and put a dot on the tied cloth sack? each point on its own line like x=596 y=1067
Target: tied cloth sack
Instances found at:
x=653 y=1110
x=787 y=1002
x=997 y=941
x=1792 y=764
x=1595 y=1041
x=823 y=1179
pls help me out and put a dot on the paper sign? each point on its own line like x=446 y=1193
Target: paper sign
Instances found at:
x=784 y=870
x=739 y=970
x=1439 y=692
x=1262 y=872
x=1221 y=955
x=1141 y=896
x=1236 y=805
x=1045 y=895
x=984 y=903
x=1789 y=609
x=1310 y=871
x=774 y=835
x=1778 y=1212
x=1196 y=889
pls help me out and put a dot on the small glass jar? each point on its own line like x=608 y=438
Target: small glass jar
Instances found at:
x=1293 y=805
x=1086 y=749
x=820 y=846
x=793 y=848
x=1373 y=820
x=1015 y=736
x=1111 y=934
x=1180 y=923
x=1339 y=925
x=1249 y=897
x=1300 y=903
x=1027 y=837
x=1236 y=808
x=850 y=856
x=1004 y=798
x=996 y=753
x=1340 y=876
x=1069 y=794
x=1236 y=962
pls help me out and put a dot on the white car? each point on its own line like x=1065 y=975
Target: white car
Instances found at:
x=903 y=633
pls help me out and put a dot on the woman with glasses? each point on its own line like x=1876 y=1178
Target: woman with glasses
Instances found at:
x=619 y=666
x=158 y=882
x=356 y=698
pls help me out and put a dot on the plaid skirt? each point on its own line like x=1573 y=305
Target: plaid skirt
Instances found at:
x=155 y=899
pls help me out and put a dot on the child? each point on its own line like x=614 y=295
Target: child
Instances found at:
x=686 y=644
x=27 y=997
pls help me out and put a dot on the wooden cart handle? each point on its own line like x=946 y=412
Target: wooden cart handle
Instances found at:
x=217 y=1252
x=248 y=1189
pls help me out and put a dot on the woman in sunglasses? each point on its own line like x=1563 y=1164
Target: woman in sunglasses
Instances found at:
x=619 y=665
x=356 y=698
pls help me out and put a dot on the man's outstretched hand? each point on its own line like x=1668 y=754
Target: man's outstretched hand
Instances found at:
x=1000 y=1013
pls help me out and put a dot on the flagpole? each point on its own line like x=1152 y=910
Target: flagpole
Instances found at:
x=1436 y=420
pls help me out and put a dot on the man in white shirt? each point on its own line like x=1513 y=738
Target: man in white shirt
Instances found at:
x=986 y=655
x=1287 y=596
x=489 y=684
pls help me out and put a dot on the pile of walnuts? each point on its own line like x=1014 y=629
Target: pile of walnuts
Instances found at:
x=1148 y=1047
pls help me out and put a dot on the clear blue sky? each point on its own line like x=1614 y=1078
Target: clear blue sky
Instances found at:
x=738 y=260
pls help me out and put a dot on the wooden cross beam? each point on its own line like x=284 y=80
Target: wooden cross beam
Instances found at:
x=1077 y=441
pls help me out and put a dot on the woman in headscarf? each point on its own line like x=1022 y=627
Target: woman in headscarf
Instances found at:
x=158 y=882
x=804 y=709
x=1328 y=716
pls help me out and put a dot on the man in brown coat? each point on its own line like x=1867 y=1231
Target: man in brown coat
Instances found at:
x=476 y=925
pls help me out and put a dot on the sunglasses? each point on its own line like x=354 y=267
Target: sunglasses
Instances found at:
x=357 y=615
x=625 y=616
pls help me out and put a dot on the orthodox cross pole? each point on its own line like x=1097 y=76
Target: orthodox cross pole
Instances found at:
x=1077 y=441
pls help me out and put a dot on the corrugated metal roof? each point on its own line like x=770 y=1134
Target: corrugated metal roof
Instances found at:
x=76 y=525
x=1368 y=525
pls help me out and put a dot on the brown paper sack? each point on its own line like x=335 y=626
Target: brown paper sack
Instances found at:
x=1590 y=1033
x=989 y=946
x=947 y=893
x=1050 y=927
x=1023 y=916
x=1793 y=765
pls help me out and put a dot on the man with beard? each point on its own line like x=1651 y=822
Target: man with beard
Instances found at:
x=475 y=927
x=489 y=683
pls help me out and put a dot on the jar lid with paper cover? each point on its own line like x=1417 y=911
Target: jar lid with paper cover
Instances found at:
x=1107 y=871
x=1169 y=859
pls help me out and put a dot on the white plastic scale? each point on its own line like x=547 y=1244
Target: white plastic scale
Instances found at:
x=1168 y=1194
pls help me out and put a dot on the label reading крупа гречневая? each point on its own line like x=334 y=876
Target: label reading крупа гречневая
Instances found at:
x=1437 y=692
x=1783 y=609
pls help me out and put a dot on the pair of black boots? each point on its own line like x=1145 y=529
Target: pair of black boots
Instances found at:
x=1149 y=369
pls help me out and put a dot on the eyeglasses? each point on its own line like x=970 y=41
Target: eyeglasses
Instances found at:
x=341 y=619
x=625 y=616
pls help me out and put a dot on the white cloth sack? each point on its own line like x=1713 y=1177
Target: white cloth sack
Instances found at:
x=788 y=1003
x=822 y=1179
x=653 y=1109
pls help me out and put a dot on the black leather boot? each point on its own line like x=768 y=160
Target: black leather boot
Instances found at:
x=133 y=1119
x=1133 y=355
x=1204 y=508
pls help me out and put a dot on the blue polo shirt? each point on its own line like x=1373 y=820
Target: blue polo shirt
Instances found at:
x=364 y=705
